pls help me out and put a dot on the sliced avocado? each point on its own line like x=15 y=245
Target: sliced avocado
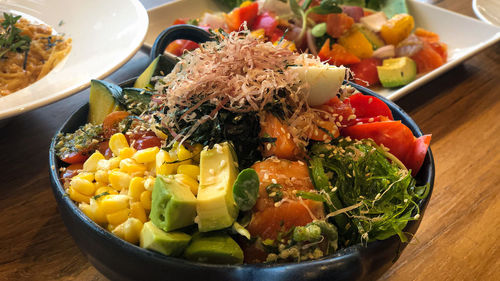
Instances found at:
x=167 y=243
x=216 y=206
x=214 y=247
x=161 y=65
x=374 y=39
x=135 y=100
x=397 y=72
x=102 y=100
x=173 y=205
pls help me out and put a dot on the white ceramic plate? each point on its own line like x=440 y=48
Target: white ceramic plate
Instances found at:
x=465 y=36
x=105 y=35
x=487 y=10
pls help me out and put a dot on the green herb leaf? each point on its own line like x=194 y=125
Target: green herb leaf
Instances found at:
x=311 y=196
x=246 y=189
x=327 y=7
x=11 y=39
x=296 y=9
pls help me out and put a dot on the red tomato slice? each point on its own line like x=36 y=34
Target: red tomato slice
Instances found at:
x=180 y=21
x=110 y=123
x=415 y=159
x=391 y=134
x=395 y=136
x=365 y=71
x=179 y=46
x=368 y=106
x=75 y=157
x=238 y=16
x=71 y=170
x=267 y=22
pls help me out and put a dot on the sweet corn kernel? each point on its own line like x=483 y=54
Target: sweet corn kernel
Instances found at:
x=146 y=199
x=196 y=151
x=130 y=166
x=183 y=154
x=119 y=180
x=118 y=230
x=188 y=181
x=117 y=142
x=86 y=176
x=132 y=230
x=103 y=165
x=146 y=155
x=151 y=168
x=135 y=188
x=83 y=186
x=90 y=164
x=111 y=228
x=190 y=170
x=149 y=183
x=93 y=211
x=158 y=133
x=101 y=176
x=114 y=163
x=77 y=196
x=162 y=157
x=118 y=217
x=101 y=190
x=127 y=152
x=112 y=203
x=138 y=212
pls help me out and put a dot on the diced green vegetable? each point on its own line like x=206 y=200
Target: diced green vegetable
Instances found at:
x=246 y=189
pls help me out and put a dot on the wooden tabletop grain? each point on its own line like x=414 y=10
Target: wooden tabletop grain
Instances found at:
x=457 y=240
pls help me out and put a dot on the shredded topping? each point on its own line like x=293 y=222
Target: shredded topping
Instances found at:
x=238 y=73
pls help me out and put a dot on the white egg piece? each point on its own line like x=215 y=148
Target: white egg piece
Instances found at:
x=324 y=81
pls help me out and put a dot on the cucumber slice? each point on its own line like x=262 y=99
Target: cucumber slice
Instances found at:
x=135 y=100
x=102 y=100
x=160 y=66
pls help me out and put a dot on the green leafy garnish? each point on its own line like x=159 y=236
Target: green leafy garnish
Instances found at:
x=369 y=192
x=11 y=39
x=326 y=7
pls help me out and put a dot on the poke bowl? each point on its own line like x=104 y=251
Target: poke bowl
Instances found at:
x=118 y=259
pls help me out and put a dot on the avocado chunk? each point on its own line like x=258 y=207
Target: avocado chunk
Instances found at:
x=167 y=243
x=216 y=206
x=161 y=65
x=372 y=37
x=173 y=205
x=214 y=247
x=102 y=100
x=397 y=72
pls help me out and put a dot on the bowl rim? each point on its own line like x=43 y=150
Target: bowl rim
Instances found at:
x=344 y=253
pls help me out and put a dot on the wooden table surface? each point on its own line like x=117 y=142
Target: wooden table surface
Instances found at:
x=457 y=240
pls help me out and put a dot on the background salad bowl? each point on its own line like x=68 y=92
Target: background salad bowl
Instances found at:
x=120 y=260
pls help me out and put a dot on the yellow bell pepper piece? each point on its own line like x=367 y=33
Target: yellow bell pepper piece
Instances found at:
x=357 y=44
x=397 y=28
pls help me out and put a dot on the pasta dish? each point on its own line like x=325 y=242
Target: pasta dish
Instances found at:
x=41 y=52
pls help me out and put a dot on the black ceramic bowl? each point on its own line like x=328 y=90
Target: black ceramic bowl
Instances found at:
x=120 y=260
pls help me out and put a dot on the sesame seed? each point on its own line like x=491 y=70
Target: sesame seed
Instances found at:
x=211 y=171
x=268 y=146
x=370 y=100
x=417 y=216
x=338 y=124
x=266 y=176
x=341 y=118
x=222 y=163
x=370 y=119
x=274 y=181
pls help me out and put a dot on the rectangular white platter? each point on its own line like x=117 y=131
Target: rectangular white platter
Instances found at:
x=464 y=35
